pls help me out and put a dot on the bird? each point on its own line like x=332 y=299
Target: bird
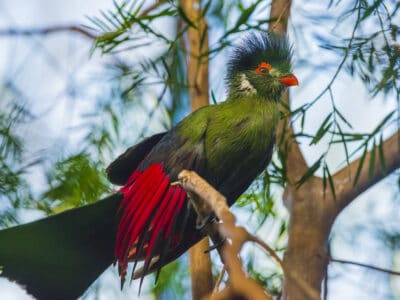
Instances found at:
x=149 y=219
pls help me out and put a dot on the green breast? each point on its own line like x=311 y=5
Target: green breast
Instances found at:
x=234 y=138
x=239 y=135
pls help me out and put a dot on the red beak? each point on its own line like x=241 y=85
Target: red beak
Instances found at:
x=289 y=80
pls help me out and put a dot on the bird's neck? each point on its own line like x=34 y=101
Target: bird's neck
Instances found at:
x=253 y=98
x=241 y=88
x=261 y=110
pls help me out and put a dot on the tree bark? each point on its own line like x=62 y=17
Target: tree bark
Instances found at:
x=311 y=219
x=197 y=73
x=200 y=270
x=344 y=179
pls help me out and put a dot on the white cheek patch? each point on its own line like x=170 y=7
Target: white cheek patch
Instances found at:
x=246 y=86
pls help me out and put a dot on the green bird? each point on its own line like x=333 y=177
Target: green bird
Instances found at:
x=148 y=219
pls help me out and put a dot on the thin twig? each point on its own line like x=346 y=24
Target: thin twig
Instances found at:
x=311 y=293
x=342 y=261
x=219 y=279
x=278 y=20
x=267 y=248
x=152 y=7
x=67 y=28
x=326 y=285
x=153 y=111
x=48 y=30
x=339 y=68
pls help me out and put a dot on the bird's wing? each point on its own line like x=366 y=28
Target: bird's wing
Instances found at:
x=121 y=168
x=243 y=174
x=157 y=222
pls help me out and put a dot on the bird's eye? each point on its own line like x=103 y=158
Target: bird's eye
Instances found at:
x=263 y=68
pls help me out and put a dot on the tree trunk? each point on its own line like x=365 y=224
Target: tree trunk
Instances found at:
x=197 y=69
x=311 y=210
x=306 y=256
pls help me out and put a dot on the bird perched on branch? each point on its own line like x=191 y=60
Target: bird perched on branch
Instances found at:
x=149 y=219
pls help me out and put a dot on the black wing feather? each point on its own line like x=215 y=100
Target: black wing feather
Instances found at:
x=119 y=171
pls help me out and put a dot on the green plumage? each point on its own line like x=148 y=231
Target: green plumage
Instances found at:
x=237 y=137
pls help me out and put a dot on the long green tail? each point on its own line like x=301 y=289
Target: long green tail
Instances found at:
x=60 y=256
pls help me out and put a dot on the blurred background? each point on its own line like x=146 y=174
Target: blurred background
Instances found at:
x=71 y=102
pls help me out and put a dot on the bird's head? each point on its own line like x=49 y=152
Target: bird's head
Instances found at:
x=260 y=65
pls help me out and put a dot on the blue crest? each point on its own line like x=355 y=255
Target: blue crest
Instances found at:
x=259 y=47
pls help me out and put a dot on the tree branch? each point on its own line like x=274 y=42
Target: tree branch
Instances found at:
x=48 y=30
x=197 y=61
x=67 y=28
x=342 y=261
x=212 y=201
x=345 y=188
x=208 y=201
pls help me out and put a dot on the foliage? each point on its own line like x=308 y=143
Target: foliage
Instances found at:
x=73 y=182
x=171 y=284
x=14 y=189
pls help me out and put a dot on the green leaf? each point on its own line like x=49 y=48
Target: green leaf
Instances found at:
x=137 y=10
x=213 y=99
x=330 y=180
x=322 y=130
x=282 y=229
x=245 y=15
x=344 y=143
x=168 y=12
x=206 y=8
x=372 y=161
x=75 y=181
x=382 y=123
x=343 y=118
x=371 y=9
x=361 y=163
x=185 y=18
x=382 y=155
x=112 y=19
x=303 y=118
x=310 y=172
x=202 y=39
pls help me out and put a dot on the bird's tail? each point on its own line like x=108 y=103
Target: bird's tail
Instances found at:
x=60 y=256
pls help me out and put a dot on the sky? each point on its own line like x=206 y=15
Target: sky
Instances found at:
x=76 y=69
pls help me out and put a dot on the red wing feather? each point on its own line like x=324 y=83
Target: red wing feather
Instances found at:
x=148 y=212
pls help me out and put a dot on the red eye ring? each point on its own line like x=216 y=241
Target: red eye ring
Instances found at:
x=263 y=68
